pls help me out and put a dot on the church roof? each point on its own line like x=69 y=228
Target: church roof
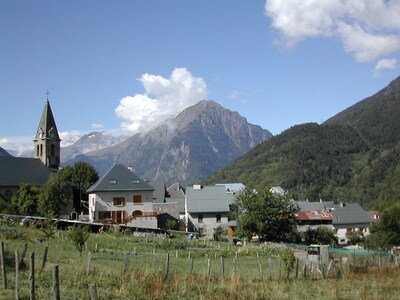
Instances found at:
x=47 y=125
x=17 y=170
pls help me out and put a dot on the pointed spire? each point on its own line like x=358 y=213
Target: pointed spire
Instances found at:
x=47 y=126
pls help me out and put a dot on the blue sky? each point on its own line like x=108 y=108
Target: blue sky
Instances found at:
x=124 y=66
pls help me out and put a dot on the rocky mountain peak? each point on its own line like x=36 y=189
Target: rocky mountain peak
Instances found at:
x=200 y=140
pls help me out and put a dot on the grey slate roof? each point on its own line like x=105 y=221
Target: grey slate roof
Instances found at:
x=17 y=170
x=180 y=201
x=278 y=190
x=305 y=205
x=120 y=178
x=349 y=213
x=232 y=187
x=208 y=199
x=175 y=191
x=47 y=124
x=159 y=191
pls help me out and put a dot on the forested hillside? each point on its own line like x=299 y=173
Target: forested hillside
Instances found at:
x=353 y=157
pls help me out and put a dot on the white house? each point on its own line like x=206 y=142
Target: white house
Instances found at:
x=340 y=217
x=121 y=197
x=207 y=207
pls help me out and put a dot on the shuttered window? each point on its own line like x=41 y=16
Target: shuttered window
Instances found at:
x=137 y=199
x=119 y=201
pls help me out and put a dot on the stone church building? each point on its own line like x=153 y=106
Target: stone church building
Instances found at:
x=33 y=171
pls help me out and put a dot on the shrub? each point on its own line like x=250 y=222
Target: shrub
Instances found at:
x=79 y=235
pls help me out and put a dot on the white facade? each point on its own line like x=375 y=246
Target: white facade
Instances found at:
x=343 y=233
x=205 y=223
x=119 y=207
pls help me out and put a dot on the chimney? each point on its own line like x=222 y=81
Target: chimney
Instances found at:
x=197 y=187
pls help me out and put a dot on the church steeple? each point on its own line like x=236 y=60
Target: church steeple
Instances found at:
x=47 y=141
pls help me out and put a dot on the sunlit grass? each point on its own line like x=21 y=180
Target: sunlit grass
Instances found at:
x=145 y=276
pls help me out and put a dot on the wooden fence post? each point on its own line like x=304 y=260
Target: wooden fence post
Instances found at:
x=126 y=262
x=24 y=248
x=56 y=283
x=167 y=265
x=32 y=276
x=3 y=265
x=297 y=267
x=88 y=263
x=192 y=266
x=270 y=268
x=46 y=249
x=260 y=269
x=16 y=275
x=222 y=267
x=93 y=291
x=209 y=267
x=280 y=268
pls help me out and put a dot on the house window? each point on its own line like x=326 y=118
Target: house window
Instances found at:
x=103 y=215
x=53 y=150
x=119 y=201
x=137 y=199
x=200 y=218
x=119 y=217
x=218 y=218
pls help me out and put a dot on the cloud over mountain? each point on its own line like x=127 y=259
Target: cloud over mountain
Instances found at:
x=369 y=29
x=163 y=98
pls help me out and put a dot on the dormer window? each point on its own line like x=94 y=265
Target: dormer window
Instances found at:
x=135 y=181
x=113 y=181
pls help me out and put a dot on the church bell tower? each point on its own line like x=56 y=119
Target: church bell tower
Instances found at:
x=47 y=141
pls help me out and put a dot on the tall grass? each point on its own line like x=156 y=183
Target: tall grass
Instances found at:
x=145 y=277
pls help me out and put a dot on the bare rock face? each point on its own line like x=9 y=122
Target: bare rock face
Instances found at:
x=199 y=141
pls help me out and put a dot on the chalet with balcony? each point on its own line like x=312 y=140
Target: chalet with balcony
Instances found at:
x=121 y=197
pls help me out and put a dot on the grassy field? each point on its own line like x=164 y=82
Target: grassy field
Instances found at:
x=129 y=267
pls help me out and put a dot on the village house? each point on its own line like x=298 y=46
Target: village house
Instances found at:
x=121 y=197
x=207 y=207
x=176 y=194
x=341 y=218
x=277 y=190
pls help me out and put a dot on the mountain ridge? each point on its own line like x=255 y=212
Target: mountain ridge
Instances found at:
x=353 y=156
x=200 y=140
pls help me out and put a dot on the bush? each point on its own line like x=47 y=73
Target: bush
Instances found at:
x=79 y=235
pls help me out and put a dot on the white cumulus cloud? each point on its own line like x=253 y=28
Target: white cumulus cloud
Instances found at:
x=19 y=146
x=96 y=126
x=69 y=137
x=385 y=64
x=369 y=29
x=162 y=99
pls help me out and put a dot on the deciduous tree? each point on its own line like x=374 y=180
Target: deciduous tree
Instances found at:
x=269 y=216
x=25 y=202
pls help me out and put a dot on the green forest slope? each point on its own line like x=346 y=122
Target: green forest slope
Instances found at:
x=352 y=157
